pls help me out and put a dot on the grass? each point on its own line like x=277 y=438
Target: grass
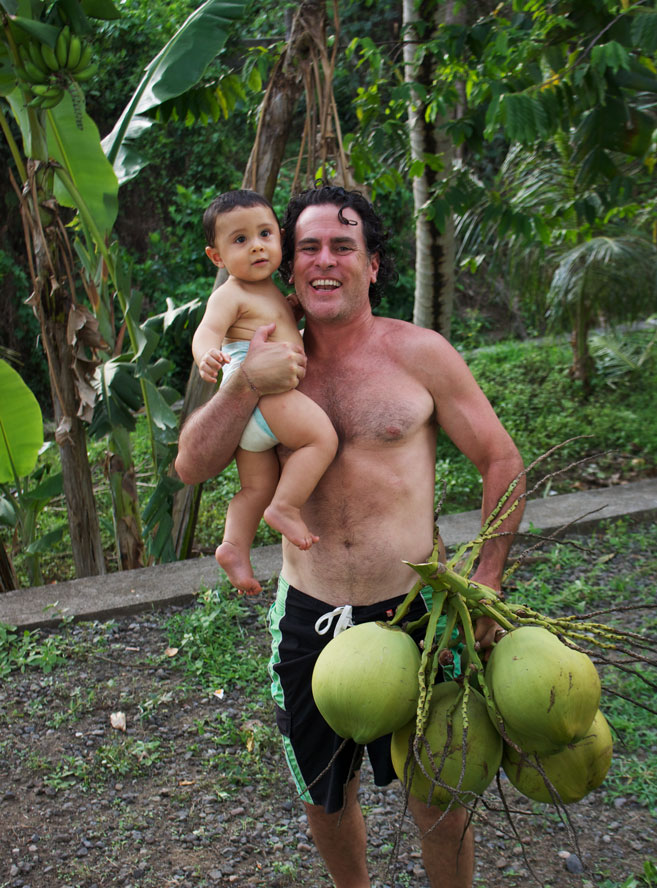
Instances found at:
x=215 y=644
x=530 y=390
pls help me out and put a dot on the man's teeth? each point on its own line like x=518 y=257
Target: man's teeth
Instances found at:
x=322 y=283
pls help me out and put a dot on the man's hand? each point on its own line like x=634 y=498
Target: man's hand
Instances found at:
x=273 y=367
x=211 y=363
x=487 y=631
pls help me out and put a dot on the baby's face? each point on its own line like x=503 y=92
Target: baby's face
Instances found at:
x=247 y=243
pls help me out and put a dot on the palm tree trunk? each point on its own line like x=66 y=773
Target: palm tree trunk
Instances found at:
x=434 y=248
x=583 y=364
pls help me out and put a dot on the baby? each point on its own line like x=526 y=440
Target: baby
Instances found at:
x=244 y=237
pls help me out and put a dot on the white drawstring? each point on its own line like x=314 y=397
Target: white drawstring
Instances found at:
x=343 y=613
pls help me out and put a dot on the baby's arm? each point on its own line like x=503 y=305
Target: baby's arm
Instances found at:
x=220 y=314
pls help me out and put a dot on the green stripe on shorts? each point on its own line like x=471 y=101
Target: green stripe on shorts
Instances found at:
x=276 y=614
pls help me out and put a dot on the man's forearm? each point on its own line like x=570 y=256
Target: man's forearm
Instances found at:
x=211 y=434
x=496 y=482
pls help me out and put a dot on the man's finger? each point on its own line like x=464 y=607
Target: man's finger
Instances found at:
x=263 y=333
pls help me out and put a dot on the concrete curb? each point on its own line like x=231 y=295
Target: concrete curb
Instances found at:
x=134 y=591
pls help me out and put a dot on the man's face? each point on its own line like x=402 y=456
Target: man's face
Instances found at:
x=332 y=269
x=247 y=243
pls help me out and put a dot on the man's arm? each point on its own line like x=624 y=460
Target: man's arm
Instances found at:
x=467 y=417
x=210 y=436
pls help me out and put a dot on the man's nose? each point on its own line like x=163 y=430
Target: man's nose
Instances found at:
x=324 y=257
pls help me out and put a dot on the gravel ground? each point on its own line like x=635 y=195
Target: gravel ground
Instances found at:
x=179 y=799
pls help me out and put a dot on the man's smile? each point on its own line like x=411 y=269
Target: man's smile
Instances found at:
x=325 y=284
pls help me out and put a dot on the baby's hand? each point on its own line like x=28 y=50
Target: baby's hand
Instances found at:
x=211 y=363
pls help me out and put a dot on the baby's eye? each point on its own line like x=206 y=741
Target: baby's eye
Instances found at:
x=240 y=239
x=266 y=232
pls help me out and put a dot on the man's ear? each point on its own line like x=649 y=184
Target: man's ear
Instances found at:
x=374 y=267
x=214 y=257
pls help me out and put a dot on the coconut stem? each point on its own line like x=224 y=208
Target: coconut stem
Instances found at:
x=429 y=666
x=404 y=607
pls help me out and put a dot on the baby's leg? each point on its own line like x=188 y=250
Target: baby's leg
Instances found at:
x=301 y=425
x=258 y=477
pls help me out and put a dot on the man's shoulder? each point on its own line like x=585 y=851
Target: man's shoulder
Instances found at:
x=410 y=334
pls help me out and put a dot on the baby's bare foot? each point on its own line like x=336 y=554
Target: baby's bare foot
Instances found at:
x=288 y=521
x=236 y=563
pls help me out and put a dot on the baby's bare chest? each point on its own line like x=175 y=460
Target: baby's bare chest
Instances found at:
x=262 y=311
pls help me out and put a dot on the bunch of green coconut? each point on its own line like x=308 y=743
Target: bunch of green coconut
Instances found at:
x=532 y=709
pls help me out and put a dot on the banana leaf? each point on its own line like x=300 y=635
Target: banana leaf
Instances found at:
x=21 y=426
x=87 y=181
x=173 y=71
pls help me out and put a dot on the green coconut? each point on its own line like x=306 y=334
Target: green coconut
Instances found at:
x=365 y=681
x=546 y=693
x=574 y=772
x=483 y=748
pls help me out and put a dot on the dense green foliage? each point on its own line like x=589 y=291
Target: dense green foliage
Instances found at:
x=530 y=389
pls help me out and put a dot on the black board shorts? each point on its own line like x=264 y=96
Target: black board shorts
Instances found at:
x=308 y=741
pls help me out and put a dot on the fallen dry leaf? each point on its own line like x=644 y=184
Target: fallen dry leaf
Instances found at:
x=117 y=721
x=171 y=652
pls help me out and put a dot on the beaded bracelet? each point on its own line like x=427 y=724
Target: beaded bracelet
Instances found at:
x=250 y=384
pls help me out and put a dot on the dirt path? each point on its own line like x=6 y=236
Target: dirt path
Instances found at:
x=196 y=793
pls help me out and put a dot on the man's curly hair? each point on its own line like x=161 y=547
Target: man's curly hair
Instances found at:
x=376 y=236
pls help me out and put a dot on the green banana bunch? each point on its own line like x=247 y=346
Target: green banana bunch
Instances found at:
x=62 y=46
x=46 y=96
x=49 y=72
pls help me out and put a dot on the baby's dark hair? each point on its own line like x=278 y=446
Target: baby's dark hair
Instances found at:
x=376 y=236
x=226 y=202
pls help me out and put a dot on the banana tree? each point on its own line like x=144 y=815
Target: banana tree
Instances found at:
x=43 y=109
x=42 y=62
x=24 y=493
x=168 y=78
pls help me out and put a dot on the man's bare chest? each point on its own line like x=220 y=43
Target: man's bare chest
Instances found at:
x=381 y=404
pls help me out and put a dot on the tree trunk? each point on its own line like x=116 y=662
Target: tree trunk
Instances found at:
x=274 y=127
x=434 y=249
x=8 y=579
x=583 y=364
x=53 y=301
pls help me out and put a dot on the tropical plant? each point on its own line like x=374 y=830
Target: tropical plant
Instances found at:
x=577 y=257
x=609 y=278
x=25 y=493
x=45 y=55
x=578 y=76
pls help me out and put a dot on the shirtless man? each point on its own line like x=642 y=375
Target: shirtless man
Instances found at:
x=387 y=386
